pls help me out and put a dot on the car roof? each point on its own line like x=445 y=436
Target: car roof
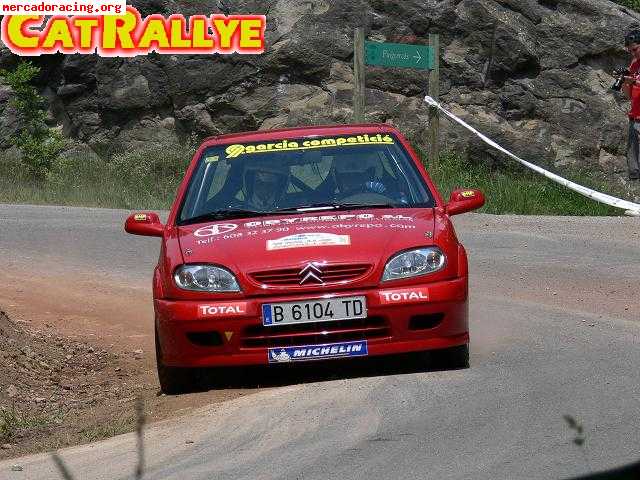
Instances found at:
x=308 y=131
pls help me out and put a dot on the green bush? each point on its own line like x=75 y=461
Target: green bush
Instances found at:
x=38 y=144
x=146 y=178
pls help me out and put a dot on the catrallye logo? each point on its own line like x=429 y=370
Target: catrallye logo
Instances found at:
x=128 y=34
x=318 y=352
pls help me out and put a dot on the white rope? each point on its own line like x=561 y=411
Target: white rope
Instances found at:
x=630 y=208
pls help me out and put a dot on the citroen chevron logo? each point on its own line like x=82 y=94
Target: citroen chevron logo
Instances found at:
x=310 y=273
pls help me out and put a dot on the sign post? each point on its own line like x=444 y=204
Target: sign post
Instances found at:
x=358 y=75
x=398 y=55
x=434 y=92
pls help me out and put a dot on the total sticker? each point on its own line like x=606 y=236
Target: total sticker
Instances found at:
x=468 y=193
x=308 y=240
x=222 y=309
x=404 y=295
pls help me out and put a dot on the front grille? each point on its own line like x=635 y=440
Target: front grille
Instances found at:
x=331 y=274
x=315 y=333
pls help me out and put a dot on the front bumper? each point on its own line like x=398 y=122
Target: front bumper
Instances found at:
x=240 y=338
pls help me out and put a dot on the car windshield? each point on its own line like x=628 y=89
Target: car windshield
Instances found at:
x=298 y=174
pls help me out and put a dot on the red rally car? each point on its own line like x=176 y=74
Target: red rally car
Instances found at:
x=307 y=244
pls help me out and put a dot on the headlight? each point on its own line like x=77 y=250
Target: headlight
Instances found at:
x=413 y=263
x=206 y=278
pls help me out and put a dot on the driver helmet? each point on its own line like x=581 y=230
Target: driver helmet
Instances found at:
x=265 y=182
x=357 y=171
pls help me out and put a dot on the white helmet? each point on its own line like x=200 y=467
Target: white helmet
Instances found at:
x=265 y=181
x=350 y=171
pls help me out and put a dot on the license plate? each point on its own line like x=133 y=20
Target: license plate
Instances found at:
x=320 y=310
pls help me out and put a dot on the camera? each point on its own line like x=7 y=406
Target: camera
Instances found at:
x=620 y=73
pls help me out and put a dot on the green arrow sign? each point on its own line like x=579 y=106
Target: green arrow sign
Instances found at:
x=399 y=55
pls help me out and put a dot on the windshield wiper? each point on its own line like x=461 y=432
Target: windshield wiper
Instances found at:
x=333 y=206
x=222 y=215
x=239 y=213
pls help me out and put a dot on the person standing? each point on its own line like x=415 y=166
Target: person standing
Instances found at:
x=631 y=88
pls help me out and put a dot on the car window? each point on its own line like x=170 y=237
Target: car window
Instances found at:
x=290 y=173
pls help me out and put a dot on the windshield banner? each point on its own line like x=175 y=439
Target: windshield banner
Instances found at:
x=236 y=150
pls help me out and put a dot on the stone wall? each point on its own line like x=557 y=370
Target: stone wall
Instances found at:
x=532 y=74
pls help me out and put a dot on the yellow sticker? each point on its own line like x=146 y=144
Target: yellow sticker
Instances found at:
x=140 y=217
x=212 y=159
x=228 y=335
x=468 y=193
x=236 y=150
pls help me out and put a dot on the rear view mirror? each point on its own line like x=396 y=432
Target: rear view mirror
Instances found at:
x=144 y=223
x=464 y=200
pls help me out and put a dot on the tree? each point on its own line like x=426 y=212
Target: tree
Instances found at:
x=39 y=144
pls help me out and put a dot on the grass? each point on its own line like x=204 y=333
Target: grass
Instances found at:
x=13 y=421
x=517 y=190
x=132 y=180
x=116 y=426
x=148 y=179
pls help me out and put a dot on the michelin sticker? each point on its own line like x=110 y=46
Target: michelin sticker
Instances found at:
x=308 y=240
x=318 y=352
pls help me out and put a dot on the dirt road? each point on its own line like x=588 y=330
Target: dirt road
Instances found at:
x=554 y=312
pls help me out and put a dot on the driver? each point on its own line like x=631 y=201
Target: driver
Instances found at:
x=265 y=183
x=358 y=174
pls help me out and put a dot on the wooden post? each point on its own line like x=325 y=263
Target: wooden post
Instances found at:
x=434 y=92
x=358 y=75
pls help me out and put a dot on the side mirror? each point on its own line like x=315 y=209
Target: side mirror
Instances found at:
x=464 y=200
x=144 y=223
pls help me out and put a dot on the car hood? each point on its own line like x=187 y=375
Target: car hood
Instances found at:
x=289 y=241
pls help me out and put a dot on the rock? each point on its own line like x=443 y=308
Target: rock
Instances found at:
x=6 y=446
x=79 y=150
x=70 y=90
x=138 y=352
x=16 y=468
x=28 y=352
x=12 y=391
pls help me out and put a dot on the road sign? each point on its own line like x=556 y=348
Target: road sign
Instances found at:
x=399 y=55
